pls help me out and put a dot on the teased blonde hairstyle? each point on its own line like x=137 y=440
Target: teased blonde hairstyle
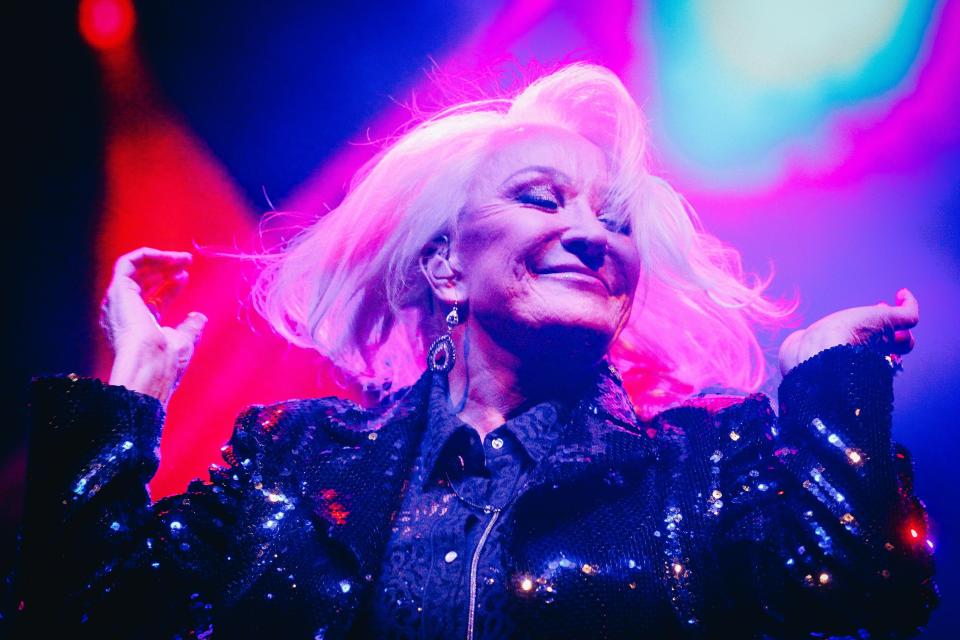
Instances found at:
x=350 y=286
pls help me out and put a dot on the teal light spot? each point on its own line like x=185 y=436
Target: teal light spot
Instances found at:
x=733 y=124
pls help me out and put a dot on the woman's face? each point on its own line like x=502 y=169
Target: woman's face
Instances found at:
x=539 y=255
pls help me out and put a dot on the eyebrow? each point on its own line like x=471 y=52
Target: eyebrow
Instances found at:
x=555 y=174
x=550 y=171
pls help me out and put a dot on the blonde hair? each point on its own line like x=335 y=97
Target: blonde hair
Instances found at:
x=350 y=287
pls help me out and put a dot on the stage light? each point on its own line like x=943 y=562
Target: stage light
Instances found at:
x=748 y=87
x=799 y=44
x=106 y=24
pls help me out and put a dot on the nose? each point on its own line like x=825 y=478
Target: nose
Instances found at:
x=586 y=238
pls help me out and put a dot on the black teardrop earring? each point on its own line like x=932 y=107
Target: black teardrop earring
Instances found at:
x=442 y=355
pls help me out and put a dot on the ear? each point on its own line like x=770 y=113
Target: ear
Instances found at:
x=441 y=271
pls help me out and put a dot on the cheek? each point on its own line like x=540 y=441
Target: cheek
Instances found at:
x=501 y=248
x=627 y=258
x=496 y=274
x=506 y=291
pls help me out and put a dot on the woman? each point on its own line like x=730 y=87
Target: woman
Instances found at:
x=520 y=248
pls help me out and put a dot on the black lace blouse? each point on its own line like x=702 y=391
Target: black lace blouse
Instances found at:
x=442 y=574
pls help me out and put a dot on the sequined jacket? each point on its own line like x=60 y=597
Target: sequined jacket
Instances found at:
x=715 y=519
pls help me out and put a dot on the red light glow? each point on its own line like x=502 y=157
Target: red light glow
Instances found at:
x=106 y=24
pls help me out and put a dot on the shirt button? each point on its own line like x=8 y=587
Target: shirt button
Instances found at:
x=496 y=443
x=451 y=556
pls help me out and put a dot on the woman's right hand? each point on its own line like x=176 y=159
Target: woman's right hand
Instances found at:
x=148 y=357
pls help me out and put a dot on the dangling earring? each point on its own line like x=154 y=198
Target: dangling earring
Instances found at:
x=442 y=355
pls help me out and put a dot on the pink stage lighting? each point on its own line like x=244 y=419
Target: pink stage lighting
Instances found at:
x=106 y=24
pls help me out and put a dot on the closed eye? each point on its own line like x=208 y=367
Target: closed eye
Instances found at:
x=613 y=223
x=544 y=196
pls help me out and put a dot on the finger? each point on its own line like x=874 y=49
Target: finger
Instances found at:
x=886 y=318
x=907 y=311
x=164 y=288
x=143 y=279
x=155 y=289
x=192 y=326
x=903 y=342
x=146 y=254
x=150 y=281
x=126 y=309
x=148 y=275
x=147 y=257
x=165 y=261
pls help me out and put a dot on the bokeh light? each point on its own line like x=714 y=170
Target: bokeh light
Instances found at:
x=106 y=24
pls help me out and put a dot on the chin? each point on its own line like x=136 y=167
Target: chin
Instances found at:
x=569 y=329
x=571 y=337
x=579 y=316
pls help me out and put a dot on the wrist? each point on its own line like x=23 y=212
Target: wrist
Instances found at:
x=143 y=370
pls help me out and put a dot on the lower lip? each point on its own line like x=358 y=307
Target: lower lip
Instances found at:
x=576 y=277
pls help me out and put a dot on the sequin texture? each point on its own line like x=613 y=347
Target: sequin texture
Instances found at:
x=778 y=531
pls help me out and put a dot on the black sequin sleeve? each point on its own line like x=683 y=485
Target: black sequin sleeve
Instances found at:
x=819 y=530
x=100 y=559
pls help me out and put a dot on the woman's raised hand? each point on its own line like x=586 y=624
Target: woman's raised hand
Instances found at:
x=884 y=326
x=148 y=356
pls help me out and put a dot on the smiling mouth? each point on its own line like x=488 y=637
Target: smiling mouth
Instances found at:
x=576 y=275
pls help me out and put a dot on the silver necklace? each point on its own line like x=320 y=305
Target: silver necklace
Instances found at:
x=485 y=508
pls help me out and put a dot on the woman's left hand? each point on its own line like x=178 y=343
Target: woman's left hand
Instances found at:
x=884 y=326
